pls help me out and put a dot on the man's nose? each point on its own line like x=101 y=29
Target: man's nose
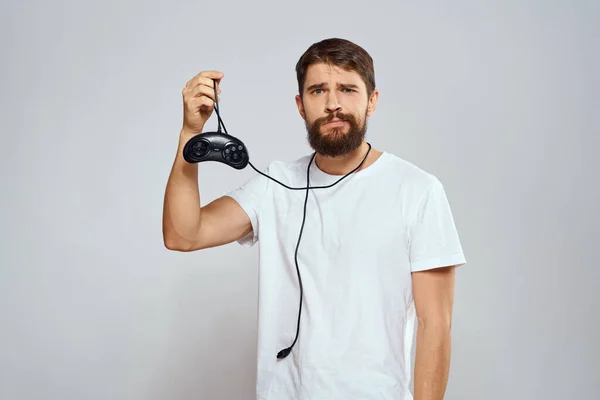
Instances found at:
x=333 y=103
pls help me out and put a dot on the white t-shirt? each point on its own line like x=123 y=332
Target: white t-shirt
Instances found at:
x=361 y=240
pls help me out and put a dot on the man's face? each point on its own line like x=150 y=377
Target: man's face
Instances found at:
x=335 y=107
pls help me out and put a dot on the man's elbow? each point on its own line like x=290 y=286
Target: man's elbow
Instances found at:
x=439 y=324
x=178 y=245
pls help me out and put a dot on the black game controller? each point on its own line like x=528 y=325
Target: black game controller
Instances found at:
x=216 y=146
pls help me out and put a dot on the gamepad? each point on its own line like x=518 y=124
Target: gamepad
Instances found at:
x=216 y=146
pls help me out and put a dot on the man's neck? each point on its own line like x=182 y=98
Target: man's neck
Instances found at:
x=346 y=163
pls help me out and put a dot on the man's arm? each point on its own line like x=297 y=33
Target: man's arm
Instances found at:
x=433 y=292
x=186 y=225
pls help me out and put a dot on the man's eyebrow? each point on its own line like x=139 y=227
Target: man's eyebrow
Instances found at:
x=323 y=84
x=316 y=86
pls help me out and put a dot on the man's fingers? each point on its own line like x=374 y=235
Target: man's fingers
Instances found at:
x=201 y=90
x=218 y=75
x=197 y=102
x=202 y=81
x=206 y=76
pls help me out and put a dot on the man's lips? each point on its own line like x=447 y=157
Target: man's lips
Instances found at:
x=335 y=122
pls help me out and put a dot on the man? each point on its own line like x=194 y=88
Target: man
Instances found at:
x=377 y=252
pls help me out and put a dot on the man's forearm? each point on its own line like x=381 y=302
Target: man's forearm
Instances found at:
x=181 y=209
x=432 y=362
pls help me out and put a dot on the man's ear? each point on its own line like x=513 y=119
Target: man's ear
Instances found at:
x=372 y=105
x=300 y=106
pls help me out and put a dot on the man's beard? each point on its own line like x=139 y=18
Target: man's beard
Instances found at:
x=335 y=142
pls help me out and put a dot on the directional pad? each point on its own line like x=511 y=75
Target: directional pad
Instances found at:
x=235 y=153
x=201 y=148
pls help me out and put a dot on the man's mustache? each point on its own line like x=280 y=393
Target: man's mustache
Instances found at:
x=330 y=117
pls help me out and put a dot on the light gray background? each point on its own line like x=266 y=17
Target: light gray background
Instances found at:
x=499 y=101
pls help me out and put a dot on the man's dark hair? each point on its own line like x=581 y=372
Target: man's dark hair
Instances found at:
x=340 y=53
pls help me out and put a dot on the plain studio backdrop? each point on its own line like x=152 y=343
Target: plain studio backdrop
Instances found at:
x=499 y=100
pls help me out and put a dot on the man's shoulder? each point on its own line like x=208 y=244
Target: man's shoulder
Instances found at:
x=408 y=174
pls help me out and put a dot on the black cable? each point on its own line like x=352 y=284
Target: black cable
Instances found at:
x=285 y=352
x=217 y=110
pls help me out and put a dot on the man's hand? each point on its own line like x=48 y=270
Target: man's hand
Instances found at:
x=433 y=292
x=199 y=100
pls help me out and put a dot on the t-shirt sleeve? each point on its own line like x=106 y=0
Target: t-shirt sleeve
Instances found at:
x=250 y=196
x=433 y=237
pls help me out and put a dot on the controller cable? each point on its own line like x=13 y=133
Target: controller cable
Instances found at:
x=285 y=352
